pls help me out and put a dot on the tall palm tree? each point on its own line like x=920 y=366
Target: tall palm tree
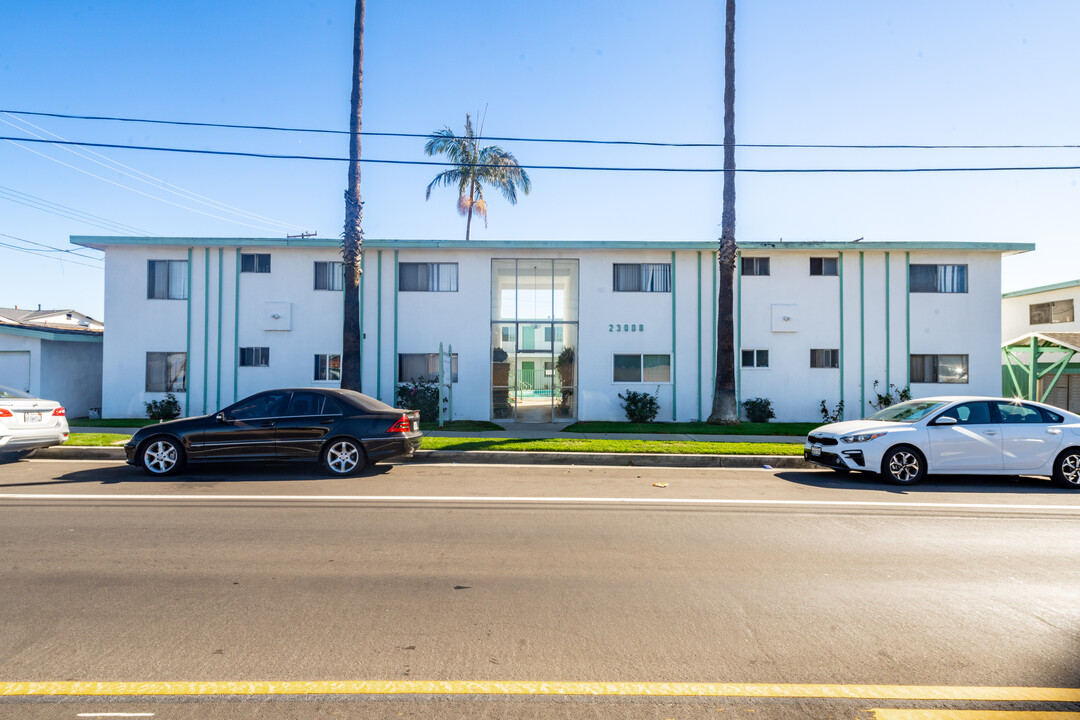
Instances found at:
x=725 y=409
x=473 y=167
x=352 y=243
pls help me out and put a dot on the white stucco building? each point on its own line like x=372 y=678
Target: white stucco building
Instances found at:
x=544 y=331
x=1042 y=323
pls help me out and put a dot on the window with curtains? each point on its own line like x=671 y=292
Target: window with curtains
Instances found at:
x=328 y=367
x=642 y=368
x=254 y=357
x=938 y=278
x=427 y=277
x=166 y=371
x=939 y=369
x=255 y=263
x=825 y=358
x=424 y=367
x=329 y=275
x=1057 y=311
x=755 y=358
x=755 y=266
x=642 y=277
x=167 y=279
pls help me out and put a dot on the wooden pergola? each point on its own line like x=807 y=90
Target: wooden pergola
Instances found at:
x=1064 y=346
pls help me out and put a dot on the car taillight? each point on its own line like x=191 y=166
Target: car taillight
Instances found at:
x=402 y=425
x=59 y=412
x=4 y=412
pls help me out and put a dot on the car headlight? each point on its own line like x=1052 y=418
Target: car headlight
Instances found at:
x=865 y=437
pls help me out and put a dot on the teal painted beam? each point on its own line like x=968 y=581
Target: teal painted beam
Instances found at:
x=220 y=295
x=206 y=331
x=396 y=368
x=674 y=393
x=862 y=337
x=907 y=319
x=187 y=347
x=699 y=393
x=361 y=319
x=840 y=272
x=378 y=327
x=888 y=326
x=236 y=332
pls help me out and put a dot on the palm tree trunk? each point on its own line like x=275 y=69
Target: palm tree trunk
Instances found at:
x=353 y=239
x=725 y=408
x=472 y=198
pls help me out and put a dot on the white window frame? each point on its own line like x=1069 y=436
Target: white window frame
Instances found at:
x=941 y=278
x=432 y=374
x=335 y=275
x=323 y=367
x=166 y=385
x=436 y=271
x=1051 y=307
x=756 y=358
x=255 y=263
x=170 y=292
x=642 y=369
x=826 y=354
x=822 y=262
x=650 y=277
x=260 y=357
x=757 y=264
x=936 y=368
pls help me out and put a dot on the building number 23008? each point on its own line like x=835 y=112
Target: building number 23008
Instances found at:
x=622 y=327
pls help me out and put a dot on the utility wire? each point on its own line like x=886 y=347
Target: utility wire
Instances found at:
x=272 y=156
x=63 y=211
x=53 y=248
x=40 y=253
x=550 y=140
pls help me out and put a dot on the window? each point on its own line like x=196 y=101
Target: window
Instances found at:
x=508 y=333
x=166 y=372
x=328 y=275
x=824 y=358
x=254 y=357
x=167 y=280
x=642 y=277
x=939 y=368
x=309 y=403
x=938 y=278
x=824 y=266
x=642 y=368
x=549 y=369
x=973 y=413
x=1057 y=311
x=328 y=367
x=427 y=277
x=1011 y=413
x=755 y=266
x=266 y=405
x=755 y=358
x=424 y=367
x=548 y=334
x=255 y=263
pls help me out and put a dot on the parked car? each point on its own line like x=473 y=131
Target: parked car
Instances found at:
x=954 y=435
x=28 y=423
x=342 y=429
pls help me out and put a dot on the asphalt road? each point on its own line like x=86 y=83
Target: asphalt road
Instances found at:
x=789 y=594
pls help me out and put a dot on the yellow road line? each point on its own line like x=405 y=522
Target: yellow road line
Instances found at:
x=499 y=687
x=972 y=715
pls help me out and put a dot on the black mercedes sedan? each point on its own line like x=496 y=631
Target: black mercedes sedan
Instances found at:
x=342 y=429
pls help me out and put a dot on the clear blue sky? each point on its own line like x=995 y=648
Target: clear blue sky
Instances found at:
x=958 y=72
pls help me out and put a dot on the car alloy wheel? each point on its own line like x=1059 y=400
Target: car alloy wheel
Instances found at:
x=1067 y=470
x=161 y=457
x=343 y=457
x=903 y=466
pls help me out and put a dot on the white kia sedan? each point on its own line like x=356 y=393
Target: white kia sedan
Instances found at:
x=28 y=423
x=954 y=435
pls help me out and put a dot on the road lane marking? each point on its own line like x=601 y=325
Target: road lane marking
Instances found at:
x=886 y=714
x=488 y=499
x=500 y=687
x=103 y=715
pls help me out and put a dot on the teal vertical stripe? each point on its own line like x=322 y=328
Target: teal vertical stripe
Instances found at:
x=888 y=325
x=907 y=304
x=862 y=338
x=699 y=388
x=674 y=367
x=187 y=347
x=206 y=331
x=378 y=329
x=715 y=338
x=738 y=334
x=840 y=269
x=236 y=334
x=361 y=319
x=393 y=390
x=220 y=295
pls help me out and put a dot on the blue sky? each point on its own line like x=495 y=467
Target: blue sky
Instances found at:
x=960 y=72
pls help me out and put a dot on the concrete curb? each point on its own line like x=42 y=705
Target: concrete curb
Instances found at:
x=496 y=457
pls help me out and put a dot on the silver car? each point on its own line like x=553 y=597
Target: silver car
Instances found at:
x=28 y=423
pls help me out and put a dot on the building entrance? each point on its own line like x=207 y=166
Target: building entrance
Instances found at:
x=534 y=323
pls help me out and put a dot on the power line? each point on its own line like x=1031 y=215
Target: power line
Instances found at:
x=272 y=156
x=53 y=248
x=32 y=201
x=41 y=253
x=640 y=143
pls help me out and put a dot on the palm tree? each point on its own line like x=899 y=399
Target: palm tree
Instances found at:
x=352 y=243
x=474 y=166
x=725 y=409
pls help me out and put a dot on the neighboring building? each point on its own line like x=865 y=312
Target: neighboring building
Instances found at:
x=53 y=354
x=1042 y=323
x=543 y=331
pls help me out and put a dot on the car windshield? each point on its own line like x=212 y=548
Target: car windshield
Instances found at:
x=6 y=392
x=908 y=412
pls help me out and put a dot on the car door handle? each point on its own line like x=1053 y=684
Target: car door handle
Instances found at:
x=268 y=424
x=1053 y=431
x=989 y=432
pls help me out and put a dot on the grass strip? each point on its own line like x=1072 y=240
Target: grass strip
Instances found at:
x=680 y=447
x=96 y=439
x=462 y=426
x=111 y=422
x=794 y=429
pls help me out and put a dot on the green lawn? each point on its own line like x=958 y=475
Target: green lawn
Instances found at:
x=799 y=429
x=462 y=426
x=679 y=447
x=96 y=439
x=111 y=422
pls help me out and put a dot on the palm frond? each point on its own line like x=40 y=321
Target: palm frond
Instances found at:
x=446 y=177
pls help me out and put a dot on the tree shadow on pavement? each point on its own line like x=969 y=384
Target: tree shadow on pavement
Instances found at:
x=204 y=476
x=970 y=484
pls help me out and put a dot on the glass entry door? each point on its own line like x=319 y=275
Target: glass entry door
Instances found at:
x=534 y=340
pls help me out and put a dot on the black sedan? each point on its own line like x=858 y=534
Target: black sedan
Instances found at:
x=342 y=429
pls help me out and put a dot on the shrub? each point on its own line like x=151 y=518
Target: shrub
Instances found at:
x=166 y=409
x=837 y=414
x=420 y=395
x=758 y=410
x=895 y=395
x=498 y=355
x=640 y=407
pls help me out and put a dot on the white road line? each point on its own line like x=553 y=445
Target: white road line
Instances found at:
x=487 y=499
x=101 y=715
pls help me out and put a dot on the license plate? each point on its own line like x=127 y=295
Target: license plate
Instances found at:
x=32 y=417
x=815 y=449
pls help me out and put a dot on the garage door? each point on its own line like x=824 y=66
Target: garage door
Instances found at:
x=15 y=369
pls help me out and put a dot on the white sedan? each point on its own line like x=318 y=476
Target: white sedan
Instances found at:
x=28 y=423
x=954 y=435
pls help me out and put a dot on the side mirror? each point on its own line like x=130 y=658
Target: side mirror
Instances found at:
x=220 y=417
x=945 y=421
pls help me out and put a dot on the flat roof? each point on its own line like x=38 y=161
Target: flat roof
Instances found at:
x=1042 y=288
x=1005 y=248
